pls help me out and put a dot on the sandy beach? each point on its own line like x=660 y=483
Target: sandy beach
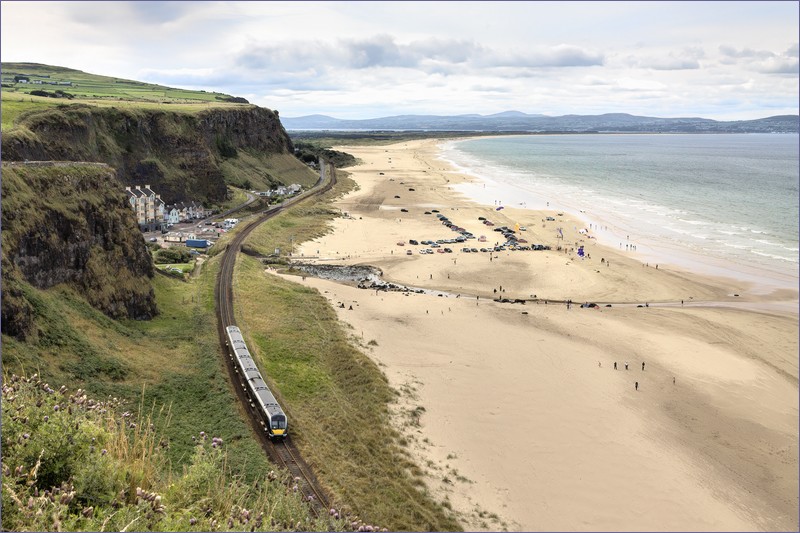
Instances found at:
x=527 y=425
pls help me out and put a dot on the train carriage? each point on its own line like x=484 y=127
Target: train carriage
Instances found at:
x=260 y=395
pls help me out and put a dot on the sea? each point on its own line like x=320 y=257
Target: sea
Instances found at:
x=718 y=204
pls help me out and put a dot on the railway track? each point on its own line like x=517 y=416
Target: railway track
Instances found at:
x=282 y=453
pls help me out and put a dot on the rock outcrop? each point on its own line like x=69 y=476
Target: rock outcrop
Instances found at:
x=69 y=223
x=177 y=152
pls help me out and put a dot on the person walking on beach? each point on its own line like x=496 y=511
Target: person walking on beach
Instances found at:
x=626 y=365
x=615 y=365
x=636 y=385
x=642 y=366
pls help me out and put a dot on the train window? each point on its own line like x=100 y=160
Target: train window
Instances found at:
x=278 y=422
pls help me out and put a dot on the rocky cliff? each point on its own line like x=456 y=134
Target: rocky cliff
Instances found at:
x=177 y=152
x=69 y=223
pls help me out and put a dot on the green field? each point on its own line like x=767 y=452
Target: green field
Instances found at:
x=95 y=90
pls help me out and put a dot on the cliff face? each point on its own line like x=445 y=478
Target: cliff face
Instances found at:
x=70 y=223
x=178 y=153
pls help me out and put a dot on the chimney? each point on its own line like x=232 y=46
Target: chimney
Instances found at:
x=127 y=189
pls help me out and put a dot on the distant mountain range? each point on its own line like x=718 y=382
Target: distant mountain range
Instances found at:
x=516 y=121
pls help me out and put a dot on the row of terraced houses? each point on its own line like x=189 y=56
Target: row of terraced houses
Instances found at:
x=152 y=213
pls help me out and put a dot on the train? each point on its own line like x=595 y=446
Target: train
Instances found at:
x=273 y=418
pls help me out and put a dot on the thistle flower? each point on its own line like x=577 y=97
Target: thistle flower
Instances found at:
x=56 y=407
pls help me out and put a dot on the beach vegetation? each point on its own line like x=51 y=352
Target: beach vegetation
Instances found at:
x=337 y=398
x=76 y=462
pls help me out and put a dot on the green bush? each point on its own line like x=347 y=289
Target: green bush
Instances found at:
x=72 y=463
x=173 y=254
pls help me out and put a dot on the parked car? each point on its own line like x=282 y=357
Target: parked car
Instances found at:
x=409 y=252
x=153 y=239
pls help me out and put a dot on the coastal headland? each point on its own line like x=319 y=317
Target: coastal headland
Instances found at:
x=670 y=405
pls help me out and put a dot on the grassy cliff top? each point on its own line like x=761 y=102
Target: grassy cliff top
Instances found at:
x=64 y=85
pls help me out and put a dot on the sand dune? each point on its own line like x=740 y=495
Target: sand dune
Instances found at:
x=525 y=416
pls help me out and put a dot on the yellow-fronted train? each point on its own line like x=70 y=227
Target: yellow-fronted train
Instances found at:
x=261 y=398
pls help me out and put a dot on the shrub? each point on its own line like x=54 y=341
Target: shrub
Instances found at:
x=173 y=254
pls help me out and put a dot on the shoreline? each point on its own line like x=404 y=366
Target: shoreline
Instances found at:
x=524 y=415
x=608 y=231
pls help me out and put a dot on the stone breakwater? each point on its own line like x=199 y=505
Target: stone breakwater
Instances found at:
x=363 y=276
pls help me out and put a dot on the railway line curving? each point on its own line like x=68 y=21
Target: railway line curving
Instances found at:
x=282 y=453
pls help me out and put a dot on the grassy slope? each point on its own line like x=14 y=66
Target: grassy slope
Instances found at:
x=263 y=172
x=94 y=86
x=93 y=89
x=172 y=361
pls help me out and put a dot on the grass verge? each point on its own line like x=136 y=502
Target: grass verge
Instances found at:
x=336 y=398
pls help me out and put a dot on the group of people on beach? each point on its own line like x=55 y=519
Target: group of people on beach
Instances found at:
x=635 y=383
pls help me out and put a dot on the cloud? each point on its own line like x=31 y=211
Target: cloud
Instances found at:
x=430 y=55
x=763 y=61
x=779 y=65
x=686 y=59
x=746 y=53
x=138 y=15
x=378 y=51
x=556 y=56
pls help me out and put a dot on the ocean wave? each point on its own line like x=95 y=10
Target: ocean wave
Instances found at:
x=773 y=256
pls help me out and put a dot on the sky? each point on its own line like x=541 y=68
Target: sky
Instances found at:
x=725 y=60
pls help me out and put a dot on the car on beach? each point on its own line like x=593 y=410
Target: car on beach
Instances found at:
x=409 y=252
x=447 y=250
x=465 y=250
x=396 y=196
x=404 y=210
x=427 y=212
x=434 y=210
x=413 y=242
